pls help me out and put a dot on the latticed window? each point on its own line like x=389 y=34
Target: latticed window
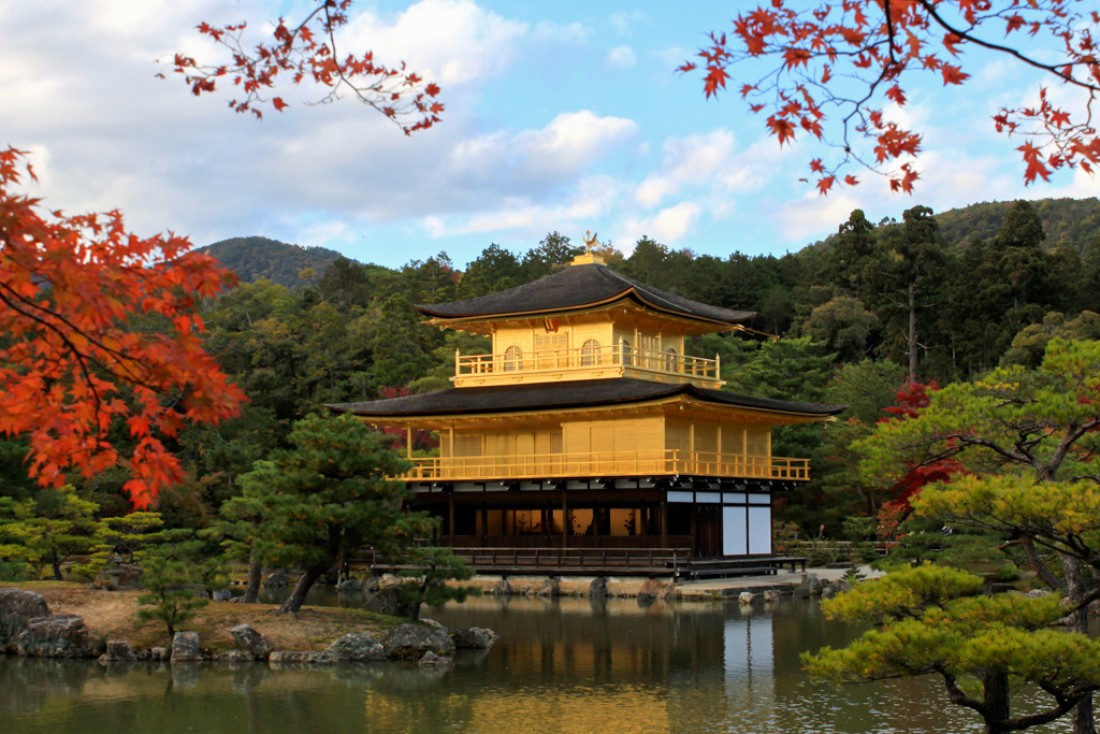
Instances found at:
x=590 y=353
x=671 y=362
x=550 y=350
x=468 y=445
x=513 y=359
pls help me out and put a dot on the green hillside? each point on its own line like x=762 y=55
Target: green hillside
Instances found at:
x=252 y=258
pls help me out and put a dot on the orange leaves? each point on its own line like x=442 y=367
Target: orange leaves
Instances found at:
x=306 y=51
x=100 y=329
x=859 y=55
x=1036 y=166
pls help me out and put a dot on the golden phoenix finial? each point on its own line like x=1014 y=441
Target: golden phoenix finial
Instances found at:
x=590 y=240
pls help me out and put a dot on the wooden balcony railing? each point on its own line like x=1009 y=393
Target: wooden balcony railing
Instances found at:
x=618 y=360
x=622 y=463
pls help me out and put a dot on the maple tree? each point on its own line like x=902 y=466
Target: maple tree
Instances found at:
x=100 y=331
x=832 y=69
x=308 y=50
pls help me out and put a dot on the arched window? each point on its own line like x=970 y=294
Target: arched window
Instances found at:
x=590 y=353
x=513 y=359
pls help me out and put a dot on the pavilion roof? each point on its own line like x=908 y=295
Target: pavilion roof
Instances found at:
x=575 y=288
x=562 y=395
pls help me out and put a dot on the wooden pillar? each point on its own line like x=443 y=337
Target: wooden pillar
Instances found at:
x=566 y=526
x=484 y=524
x=451 y=517
x=663 y=509
x=694 y=529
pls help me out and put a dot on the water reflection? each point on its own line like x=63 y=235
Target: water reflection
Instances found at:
x=561 y=666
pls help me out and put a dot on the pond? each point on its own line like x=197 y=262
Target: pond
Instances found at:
x=561 y=666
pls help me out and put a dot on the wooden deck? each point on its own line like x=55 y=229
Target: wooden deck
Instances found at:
x=673 y=563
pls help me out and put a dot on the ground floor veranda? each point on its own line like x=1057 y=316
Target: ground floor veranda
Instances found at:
x=697 y=517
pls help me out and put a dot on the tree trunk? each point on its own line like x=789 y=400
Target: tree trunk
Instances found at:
x=255 y=574
x=1084 y=720
x=912 y=339
x=55 y=563
x=996 y=710
x=305 y=583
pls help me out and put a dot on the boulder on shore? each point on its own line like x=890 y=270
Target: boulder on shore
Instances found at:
x=17 y=607
x=411 y=641
x=473 y=638
x=251 y=641
x=62 y=636
x=356 y=647
x=186 y=648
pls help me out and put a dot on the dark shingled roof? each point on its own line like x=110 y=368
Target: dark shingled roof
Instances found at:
x=576 y=287
x=561 y=395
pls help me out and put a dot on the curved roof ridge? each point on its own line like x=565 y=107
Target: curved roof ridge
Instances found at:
x=575 y=287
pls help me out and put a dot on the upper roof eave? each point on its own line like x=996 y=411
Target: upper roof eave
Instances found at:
x=576 y=288
x=539 y=397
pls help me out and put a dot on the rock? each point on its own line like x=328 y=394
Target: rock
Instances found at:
x=156 y=654
x=251 y=641
x=296 y=657
x=118 y=576
x=118 y=651
x=236 y=656
x=434 y=624
x=598 y=588
x=746 y=598
x=771 y=596
x=473 y=638
x=17 y=607
x=186 y=648
x=810 y=586
x=431 y=660
x=222 y=595
x=62 y=636
x=350 y=586
x=833 y=588
x=356 y=647
x=411 y=641
x=389 y=601
x=550 y=588
x=502 y=588
x=651 y=590
x=277 y=580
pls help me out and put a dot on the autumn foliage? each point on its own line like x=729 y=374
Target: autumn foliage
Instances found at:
x=101 y=341
x=832 y=69
x=307 y=51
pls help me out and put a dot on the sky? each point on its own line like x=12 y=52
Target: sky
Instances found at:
x=564 y=116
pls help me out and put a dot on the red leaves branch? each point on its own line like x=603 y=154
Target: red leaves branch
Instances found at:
x=308 y=51
x=856 y=56
x=101 y=327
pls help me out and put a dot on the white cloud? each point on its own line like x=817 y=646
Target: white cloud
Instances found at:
x=454 y=42
x=625 y=22
x=571 y=142
x=621 y=57
x=686 y=162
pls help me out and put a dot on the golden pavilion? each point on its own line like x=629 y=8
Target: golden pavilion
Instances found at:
x=588 y=429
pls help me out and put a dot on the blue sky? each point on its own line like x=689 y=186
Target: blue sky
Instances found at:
x=563 y=115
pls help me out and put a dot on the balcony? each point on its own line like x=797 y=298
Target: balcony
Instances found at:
x=585 y=363
x=660 y=463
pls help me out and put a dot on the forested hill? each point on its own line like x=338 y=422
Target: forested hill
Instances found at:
x=252 y=258
x=1066 y=222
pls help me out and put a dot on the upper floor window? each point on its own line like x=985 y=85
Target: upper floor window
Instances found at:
x=590 y=353
x=513 y=359
x=671 y=362
x=627 y=353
